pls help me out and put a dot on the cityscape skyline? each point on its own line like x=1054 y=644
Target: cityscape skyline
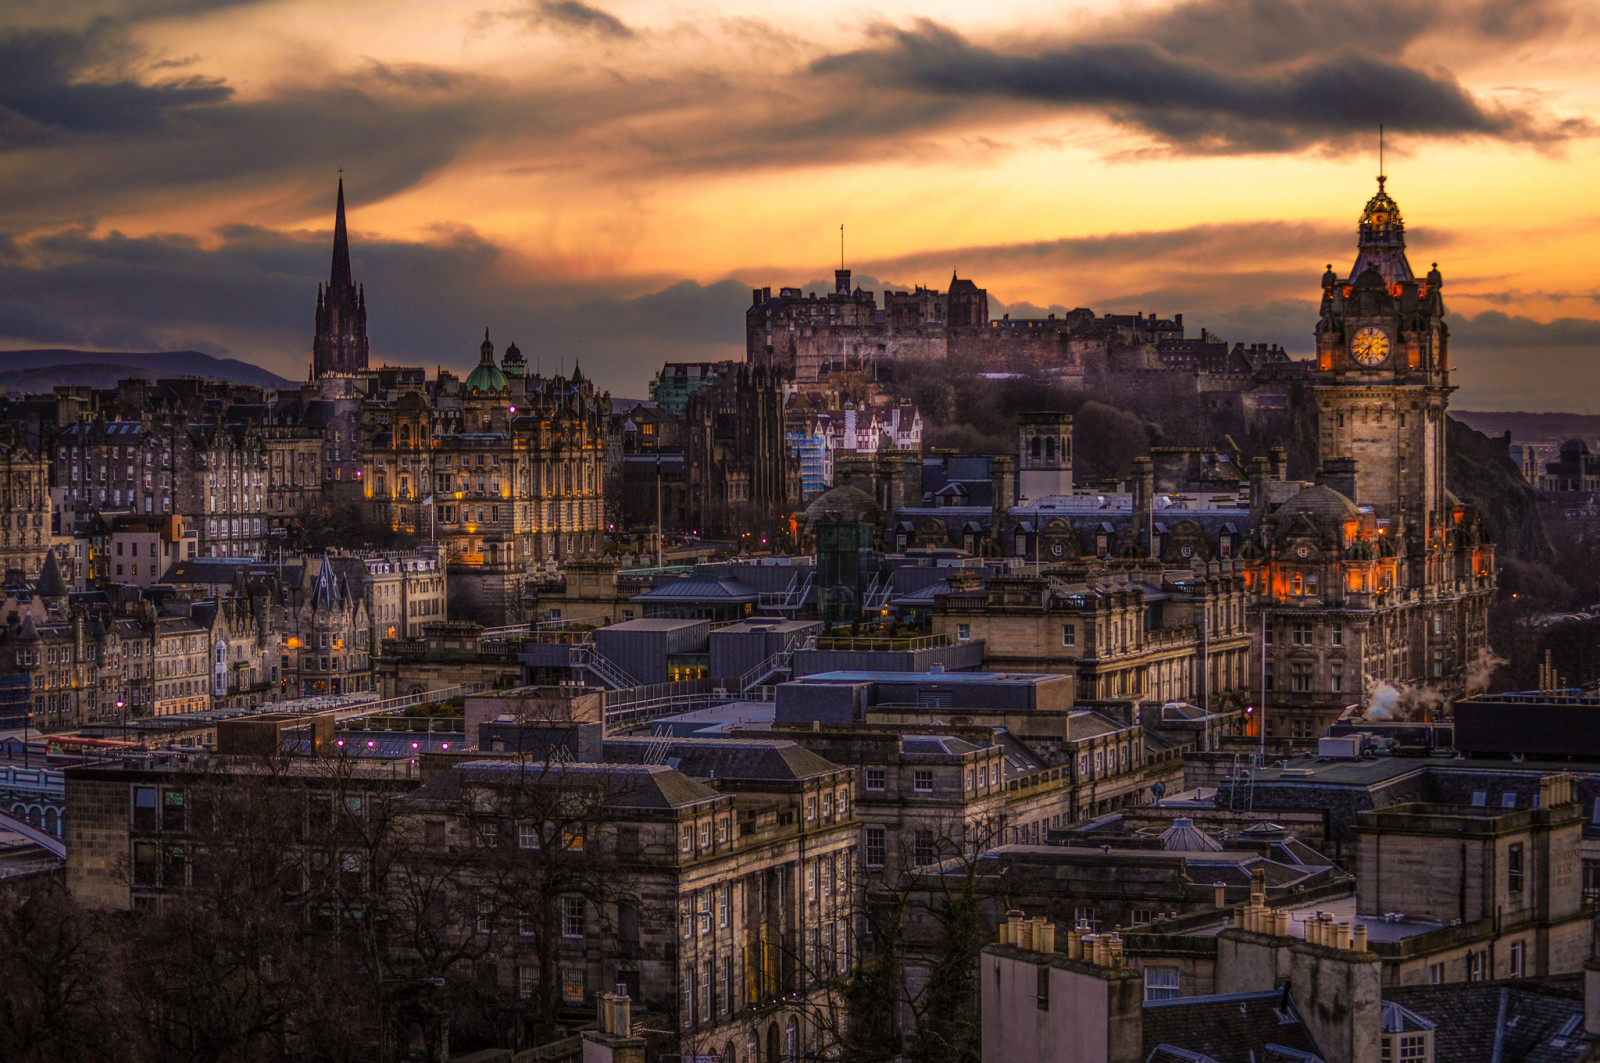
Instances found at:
x=609 y=183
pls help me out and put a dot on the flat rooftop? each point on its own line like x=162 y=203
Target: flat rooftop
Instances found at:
x=951 y=678
x=723 y=718
x=1343 y=910
x=1320 y=771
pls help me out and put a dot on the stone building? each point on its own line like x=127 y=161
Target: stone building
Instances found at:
x=1377 y=575
x=506 y=475
x=24 y=511
x=137 y=550
x=729 y=894
x=212 y=473
x=740 y=475
x=223 y=492
x=246 y=647
x=180 y=666
x=133 y=832
x=327 y=644
x=447 y=653
x=293 y=474
x=127 y=466
x=1139 y=632
x=403 y=590
x=340 y=346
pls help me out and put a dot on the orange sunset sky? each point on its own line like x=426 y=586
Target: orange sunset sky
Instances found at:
x=607 y=180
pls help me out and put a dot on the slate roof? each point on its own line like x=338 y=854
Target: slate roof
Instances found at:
x=937 y=745
x=1235 y=1028
x=1085 y=723
x=721 y=591
x=651 y=786
x=1232 y=1028
x=1518 y=1021
x=748 y=760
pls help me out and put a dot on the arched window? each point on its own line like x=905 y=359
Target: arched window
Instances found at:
x=1050 y=448
x=791 y=1041
x=1033 y=447
x=405 y=435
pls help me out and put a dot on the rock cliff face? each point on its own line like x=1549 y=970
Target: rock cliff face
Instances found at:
x=1481 y=473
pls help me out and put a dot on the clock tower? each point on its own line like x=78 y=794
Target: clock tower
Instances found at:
x=1383 y=381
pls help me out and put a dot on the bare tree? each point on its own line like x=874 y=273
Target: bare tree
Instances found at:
x=55 y=1005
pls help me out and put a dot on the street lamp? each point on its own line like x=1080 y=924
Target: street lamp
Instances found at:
x=122 y=717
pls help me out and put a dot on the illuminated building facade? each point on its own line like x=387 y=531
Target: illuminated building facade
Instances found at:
x=1377 y=574
x=504 y=471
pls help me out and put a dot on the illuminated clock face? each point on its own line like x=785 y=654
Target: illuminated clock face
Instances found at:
x=1370 y=346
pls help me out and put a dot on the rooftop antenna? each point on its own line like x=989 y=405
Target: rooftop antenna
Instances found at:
x=841 y=245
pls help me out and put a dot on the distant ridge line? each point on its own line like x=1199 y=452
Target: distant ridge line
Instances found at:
x=141 y=363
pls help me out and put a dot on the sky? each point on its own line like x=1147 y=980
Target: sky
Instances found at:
x=607 y=181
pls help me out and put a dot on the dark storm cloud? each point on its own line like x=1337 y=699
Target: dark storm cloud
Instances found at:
x=75 y=140
x=1267 y=32
x=47 y=94
x=1236 y=75
x=1495 y=329
x=1185 y=100
x=1213 y=246
x=573 y=14
x=562 y=16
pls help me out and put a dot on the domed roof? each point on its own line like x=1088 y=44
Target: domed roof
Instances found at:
x=843 y=503
x=487 y=377
x=1381 y=211
x=1184 y=837
x=1319 y=503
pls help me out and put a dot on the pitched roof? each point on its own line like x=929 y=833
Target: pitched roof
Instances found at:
x=747 y=760
x=1519 y=1021
x=1235 y=1028
x=51 y=585
x=700 y=590
x=649 y=786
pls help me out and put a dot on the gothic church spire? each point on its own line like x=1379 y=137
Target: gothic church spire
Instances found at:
x=339 y=277
x=340 y=346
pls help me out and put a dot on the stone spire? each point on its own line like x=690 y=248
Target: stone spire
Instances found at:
x=340 y=345
x=339 y=277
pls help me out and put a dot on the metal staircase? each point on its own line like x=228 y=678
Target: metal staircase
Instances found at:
x=585 y=657
x=782 y=661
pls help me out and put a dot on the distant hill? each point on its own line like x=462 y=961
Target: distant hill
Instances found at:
x=41 y=370
x=1532 y=427
x=1480 y=473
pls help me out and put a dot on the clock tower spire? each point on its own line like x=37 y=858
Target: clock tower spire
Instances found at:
x=1383 y=379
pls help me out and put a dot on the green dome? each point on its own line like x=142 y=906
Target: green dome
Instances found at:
x=486 y=378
